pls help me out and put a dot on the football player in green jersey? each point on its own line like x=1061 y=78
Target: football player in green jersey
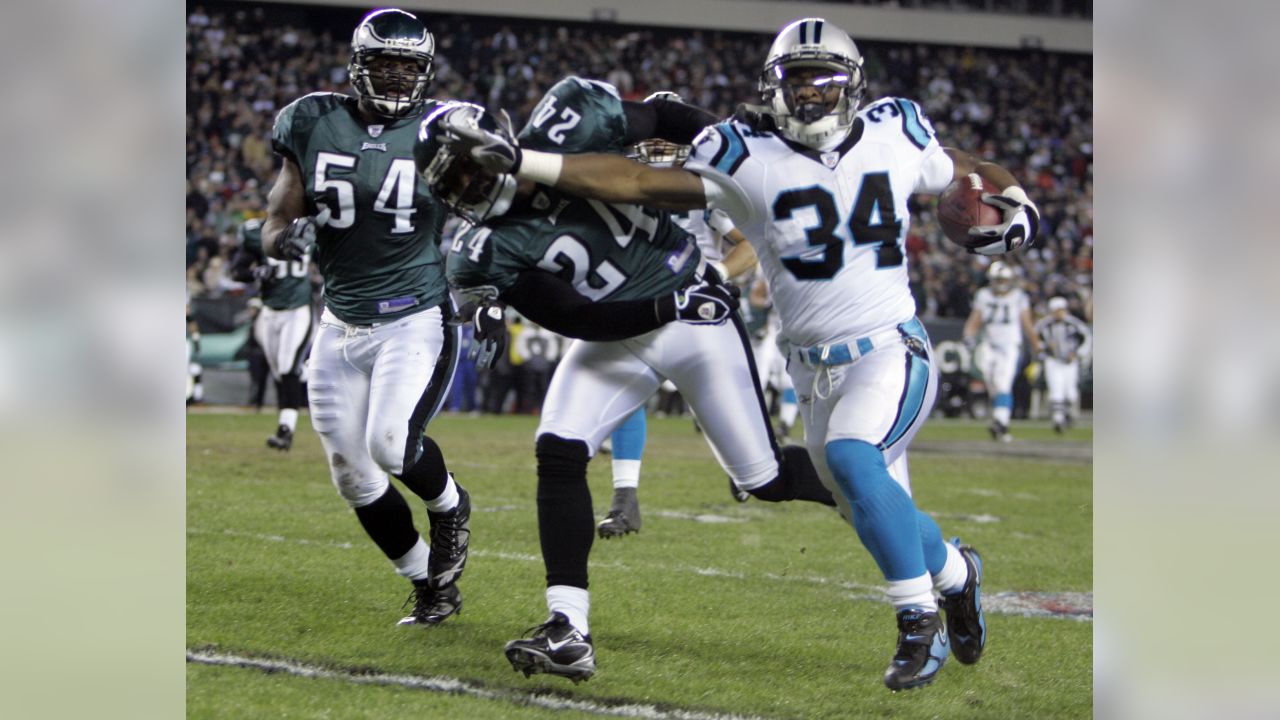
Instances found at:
x=383 y=358
x=618 y=259
x=283 y=326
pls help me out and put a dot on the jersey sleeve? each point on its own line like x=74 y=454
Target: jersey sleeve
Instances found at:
x=718 y=155
x=937 y=169
x=293 y=123
x=577 y=116
x=477 y=268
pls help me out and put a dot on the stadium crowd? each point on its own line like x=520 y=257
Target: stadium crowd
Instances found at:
x=1028 y=110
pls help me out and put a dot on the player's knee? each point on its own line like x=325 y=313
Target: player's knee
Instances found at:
x=386 y=447
x=561 y=459
x=857 y=465
x=357 y=486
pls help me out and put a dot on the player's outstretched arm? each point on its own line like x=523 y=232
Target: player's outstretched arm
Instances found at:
x=1028 y=331
x=971 y=327
x=554 y=304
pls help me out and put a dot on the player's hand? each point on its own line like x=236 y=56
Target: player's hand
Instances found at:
x=261 y=272
x=701 y=304
x=490 y=326
x=1021 y=223
x=496 y=152
x=755 y=117
x=296 y=240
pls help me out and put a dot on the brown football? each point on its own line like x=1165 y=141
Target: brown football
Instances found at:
x=960 y=207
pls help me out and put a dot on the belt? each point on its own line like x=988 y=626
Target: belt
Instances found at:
x=910 y=333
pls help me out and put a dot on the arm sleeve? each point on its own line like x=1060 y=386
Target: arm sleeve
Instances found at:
x=671 y=121
x=555 y=305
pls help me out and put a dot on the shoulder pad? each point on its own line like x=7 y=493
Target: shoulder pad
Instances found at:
x=901 y=114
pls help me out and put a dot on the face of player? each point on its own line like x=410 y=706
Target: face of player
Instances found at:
x=1060 y=313
x=813 y=92
x=393 y=77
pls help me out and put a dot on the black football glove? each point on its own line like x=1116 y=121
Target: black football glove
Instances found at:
x=755 y=117
x=262 y=272
x=496 y=152
x=297 y=239
x=490 y=326
x=701 y=304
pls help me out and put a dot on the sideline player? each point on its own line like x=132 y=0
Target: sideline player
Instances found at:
x=622 y=254
x=283 y=325
x=1067 y=341
x=384 y=354
x=825 y=206
x=1002 y=314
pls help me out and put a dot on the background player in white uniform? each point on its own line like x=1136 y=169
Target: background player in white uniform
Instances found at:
x=1066 y=341
x=1001 y=315
x=711 y=230
x=384 y=355
x=821 y=192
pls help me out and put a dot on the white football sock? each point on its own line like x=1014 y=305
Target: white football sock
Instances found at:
x=413 y=564
x=447 y=500
x=626 y=473
x=289 y=418
x=916 y=592
x=1001 y=415
x=954 y=573
x=574 y=602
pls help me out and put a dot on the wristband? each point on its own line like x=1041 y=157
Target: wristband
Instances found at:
x=540 y=167
x=720 y=269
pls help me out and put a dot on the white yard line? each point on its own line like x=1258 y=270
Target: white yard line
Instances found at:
x=1061 y=605
x=454 y=686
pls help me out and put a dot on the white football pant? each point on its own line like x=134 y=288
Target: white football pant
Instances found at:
x=999 y=367
x=882 y=398
x=372 y=391
x=599 y=384
x=283 y=335
x=1063 y=379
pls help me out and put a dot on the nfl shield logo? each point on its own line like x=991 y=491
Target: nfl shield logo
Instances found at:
x=375 y=130
x=828 y=158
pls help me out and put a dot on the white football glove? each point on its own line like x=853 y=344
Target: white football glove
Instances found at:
x=1021 y=223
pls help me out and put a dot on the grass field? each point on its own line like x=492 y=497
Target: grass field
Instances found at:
x=713 y=609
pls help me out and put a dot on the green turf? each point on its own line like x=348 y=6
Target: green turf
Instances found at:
x=767 y=616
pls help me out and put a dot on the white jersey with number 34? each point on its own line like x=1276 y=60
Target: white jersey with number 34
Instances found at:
x=829 y=227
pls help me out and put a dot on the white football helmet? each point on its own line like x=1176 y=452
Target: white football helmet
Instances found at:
x=1001 y=277
x=808 y=44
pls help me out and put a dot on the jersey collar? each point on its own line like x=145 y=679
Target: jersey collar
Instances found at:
x=855 y=134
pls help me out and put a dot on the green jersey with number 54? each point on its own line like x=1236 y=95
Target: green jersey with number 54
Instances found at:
x=606 y=251
x=378 y=251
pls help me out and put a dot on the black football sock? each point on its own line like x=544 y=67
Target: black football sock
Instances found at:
x=566 y=525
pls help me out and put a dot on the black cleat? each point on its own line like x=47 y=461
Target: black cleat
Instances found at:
x=555 y=648
x=282 y=440
x=450 y=535
x=624 y=515
x=739 y=495
x=432 y=606
x=922 y=650
x=1059 y=428
x=965 y=622
x=999 y=431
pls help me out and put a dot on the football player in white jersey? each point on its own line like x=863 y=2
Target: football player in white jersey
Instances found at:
x=1002 y=314
x=1066 y=341
x=820 y=189
x=712 y=230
